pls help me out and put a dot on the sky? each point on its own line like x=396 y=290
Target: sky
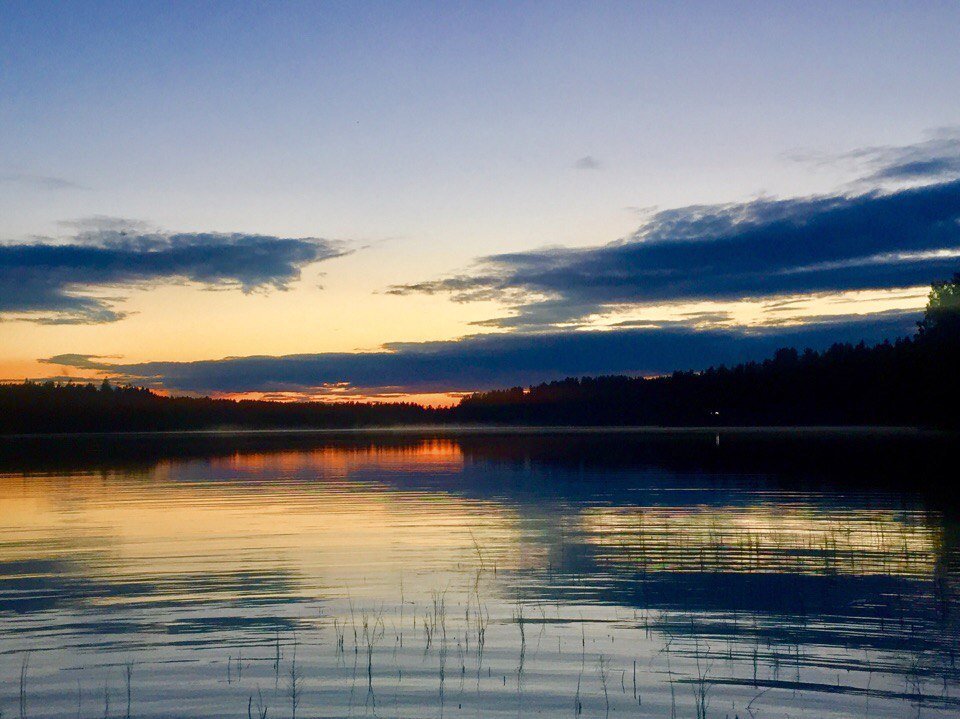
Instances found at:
x=417 y=200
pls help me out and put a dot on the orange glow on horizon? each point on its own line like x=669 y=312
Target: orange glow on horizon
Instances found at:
x=427 y=399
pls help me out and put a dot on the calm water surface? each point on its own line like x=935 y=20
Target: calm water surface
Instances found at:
x=423 y=574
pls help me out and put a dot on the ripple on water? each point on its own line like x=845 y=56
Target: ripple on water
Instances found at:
x=479 y=575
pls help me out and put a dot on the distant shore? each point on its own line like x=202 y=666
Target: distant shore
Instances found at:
x=898 y=386
x=466 y=429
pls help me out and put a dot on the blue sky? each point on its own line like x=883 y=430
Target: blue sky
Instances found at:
x=405 y=144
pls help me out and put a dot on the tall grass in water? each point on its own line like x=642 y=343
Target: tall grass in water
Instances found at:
x=758 y=657
x=261 y=707
x=701 y=686
x=578 y=705
x=373 y=632
x=129 y=672
x=294 y=679
x=603 y=665
x=24 y=668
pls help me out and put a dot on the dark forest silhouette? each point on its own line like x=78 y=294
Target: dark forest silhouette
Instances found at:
x=912 y=381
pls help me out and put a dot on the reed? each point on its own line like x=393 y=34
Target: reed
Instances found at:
x=24 y=669
x=128 y=674
x=294 y=682
x=603 y=665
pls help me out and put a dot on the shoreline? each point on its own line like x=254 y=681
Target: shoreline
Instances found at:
x=463 y=430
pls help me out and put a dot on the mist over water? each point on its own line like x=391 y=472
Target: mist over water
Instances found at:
x=421 y=574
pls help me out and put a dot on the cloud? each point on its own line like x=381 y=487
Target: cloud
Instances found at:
x=587 y=162
x=758 y=249
x=78 y=361
x=486 y=361
x=51 y=282
x=100 y=224
x=936 y=158
x=43 y=182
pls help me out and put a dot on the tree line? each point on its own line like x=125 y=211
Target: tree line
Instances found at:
x=911 y=381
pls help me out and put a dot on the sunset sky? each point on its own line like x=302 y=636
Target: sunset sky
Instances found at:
x=392 y=200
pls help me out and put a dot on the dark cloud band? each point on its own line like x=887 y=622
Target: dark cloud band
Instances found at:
x=757 y=249
x=50 y=283
x=487 y=361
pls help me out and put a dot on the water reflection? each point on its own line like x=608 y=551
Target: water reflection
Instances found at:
x=428 y=574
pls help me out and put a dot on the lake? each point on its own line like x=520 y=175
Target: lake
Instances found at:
x=428 y=573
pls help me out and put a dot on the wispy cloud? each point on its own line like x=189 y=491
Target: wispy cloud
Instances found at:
x=43 y=182
x=53 y=282
x=936 y=158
